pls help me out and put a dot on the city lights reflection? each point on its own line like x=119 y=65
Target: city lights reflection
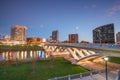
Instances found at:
x=21 y=55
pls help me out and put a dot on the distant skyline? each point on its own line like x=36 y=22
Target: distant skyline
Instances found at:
x=67 y=16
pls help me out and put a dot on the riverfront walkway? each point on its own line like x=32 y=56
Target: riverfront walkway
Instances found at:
x=113 y=69
x=96 y=67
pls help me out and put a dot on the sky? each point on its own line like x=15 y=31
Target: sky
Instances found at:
x=67 y=16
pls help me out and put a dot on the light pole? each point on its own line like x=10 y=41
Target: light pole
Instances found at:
x=106 y=59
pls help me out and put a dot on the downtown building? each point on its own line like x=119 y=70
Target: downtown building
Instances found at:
x=35 y=40
x=18 y=33
x=118 y=38
x=6 y=37
x=55 y=36
x=104 y=34
x=73 y=38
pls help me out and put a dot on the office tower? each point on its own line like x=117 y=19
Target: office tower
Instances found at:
x=18 y=33
x=73 y=38
x=104 y=34
x=118 y=37
x=0 y=36
x=55 y=36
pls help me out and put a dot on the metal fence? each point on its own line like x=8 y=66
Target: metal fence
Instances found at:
x=117 y=46
x=101 y=45
x=88 y=45
x=75 y=76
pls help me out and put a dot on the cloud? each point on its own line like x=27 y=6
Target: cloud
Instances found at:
x=114 y=10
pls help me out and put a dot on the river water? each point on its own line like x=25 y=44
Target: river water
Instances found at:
x=21 y=55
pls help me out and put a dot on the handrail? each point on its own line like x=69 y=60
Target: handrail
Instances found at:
x=87 y=45
x=74 y=76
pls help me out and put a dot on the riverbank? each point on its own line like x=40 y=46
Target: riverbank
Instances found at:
x=40 y=70
x=19 y=48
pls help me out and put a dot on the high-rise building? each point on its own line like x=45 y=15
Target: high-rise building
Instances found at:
x=118 y=37
x=73 y=38
x=18 y=33
x=104 y=34
x=0 y=36
x=55 y=36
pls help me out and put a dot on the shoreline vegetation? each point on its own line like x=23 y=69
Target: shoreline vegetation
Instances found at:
x=20 y=48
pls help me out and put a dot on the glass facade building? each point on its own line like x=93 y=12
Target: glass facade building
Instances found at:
x=18 y=33
x=55 y=36
x=104 y=34
x=118 y=37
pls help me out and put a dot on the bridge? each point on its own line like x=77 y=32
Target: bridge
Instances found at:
x=83 y=51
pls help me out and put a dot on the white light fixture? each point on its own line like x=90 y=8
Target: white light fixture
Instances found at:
x=106 y=58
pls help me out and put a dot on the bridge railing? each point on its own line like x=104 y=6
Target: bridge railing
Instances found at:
x=114 y=46
x=94 y=45
x=102 y=45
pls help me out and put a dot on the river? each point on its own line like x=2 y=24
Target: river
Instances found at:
x=21 y=55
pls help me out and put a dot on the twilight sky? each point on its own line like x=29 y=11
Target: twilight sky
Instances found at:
x=67 y=16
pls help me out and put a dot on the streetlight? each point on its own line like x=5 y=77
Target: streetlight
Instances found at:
x=106 y=59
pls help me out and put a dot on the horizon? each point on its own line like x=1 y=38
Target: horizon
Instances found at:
x=41 y=17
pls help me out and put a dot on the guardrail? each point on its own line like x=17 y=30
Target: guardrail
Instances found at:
x=101 y=45
x=75 y=76
x=116 y=46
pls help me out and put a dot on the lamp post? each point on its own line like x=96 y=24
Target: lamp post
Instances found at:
x=106 y=59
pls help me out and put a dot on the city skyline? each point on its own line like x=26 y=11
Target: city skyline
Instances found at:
x=67 y=16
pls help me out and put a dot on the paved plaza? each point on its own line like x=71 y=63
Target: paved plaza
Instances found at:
x=113 y=69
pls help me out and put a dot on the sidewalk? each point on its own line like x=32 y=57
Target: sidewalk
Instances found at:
x=93 y=77
x=112 y=70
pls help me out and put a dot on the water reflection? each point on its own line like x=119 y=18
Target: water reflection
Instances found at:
x=21 y=55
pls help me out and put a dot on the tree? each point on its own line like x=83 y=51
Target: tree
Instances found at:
x=33 y=64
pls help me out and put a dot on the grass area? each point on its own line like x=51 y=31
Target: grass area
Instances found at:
x=44 y=69
x=19 y=48
x=114 y=59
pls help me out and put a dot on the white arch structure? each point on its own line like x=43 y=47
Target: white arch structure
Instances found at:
x=77 y=53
